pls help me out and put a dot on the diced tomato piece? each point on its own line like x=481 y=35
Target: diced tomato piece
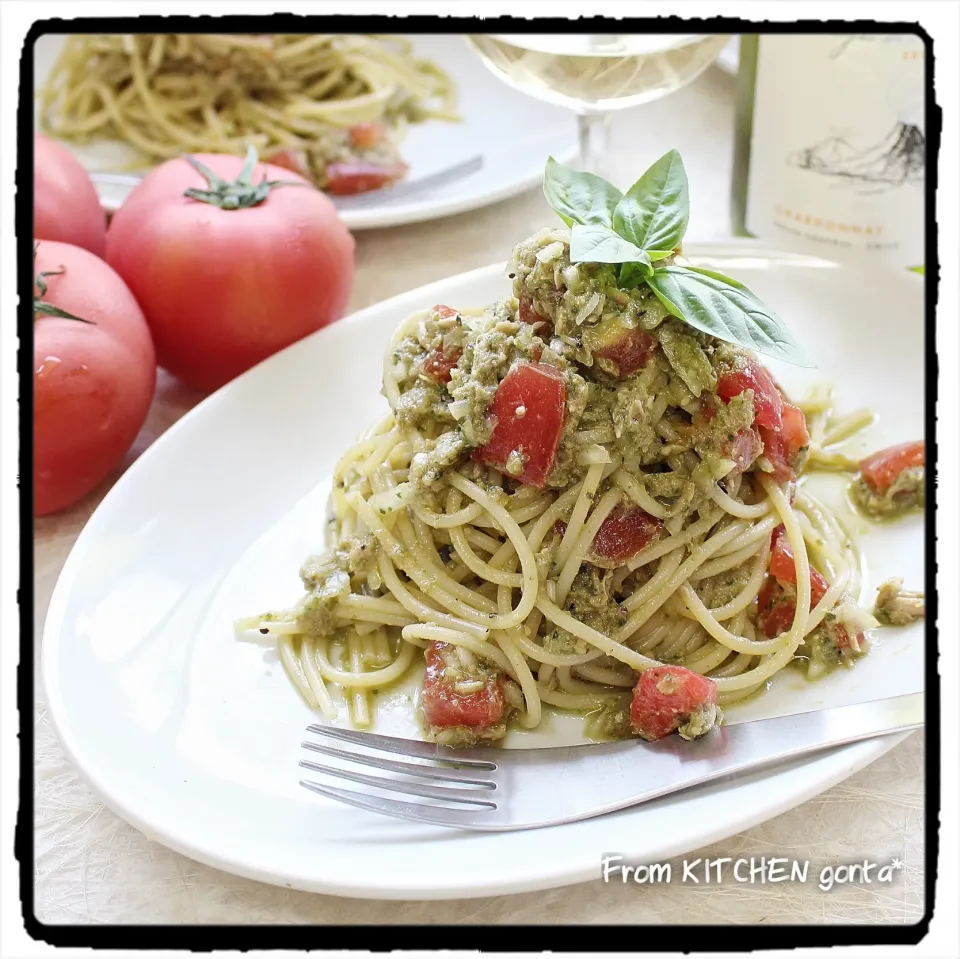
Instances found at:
x=443 y=706
x=364 y=135
x=527 y=314
x=743 y=449
x=782 y=447
x=794 y=428
x=529 y=408
x=293 y=160
x=665 y=698
x=440 y=363
x=775 y=608
x=767 y=402
x=442 y=312
x=345 y=179
x=882 y=469
x=631 y=349
x=625 y=531
x=783 y=566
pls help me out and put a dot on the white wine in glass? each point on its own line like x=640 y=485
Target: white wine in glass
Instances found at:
x=595 y=74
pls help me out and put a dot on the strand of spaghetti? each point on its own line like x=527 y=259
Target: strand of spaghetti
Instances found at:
x=540 y=655
x=420 y=609
x=772 y=664
x=380 y=452
x=574 y=686
x=522 y=674
x=372 y=679
x=722 y=564
x=562 y=505
x=553 y=697
x=374 y=616
x=605 y=675
x=456 y=637
x=634 y=489
x=294 y=669
x=583 y=543
x=384 y=604
x=750 y=589
x=418 y=541
x=462 y=517
x=482 y=541
x=754 y=647
x=708 y=657
x=584 y=499
x=735 y=507
x=528 y=563
x=308 y=648
x=595 y=638
x=406 y=558
x=847 y=426
x=698 y=555
x=359 y=698
x=754 y=532
x=739 y=664
x=478 y=566
x=668 y=566
x=664 y=546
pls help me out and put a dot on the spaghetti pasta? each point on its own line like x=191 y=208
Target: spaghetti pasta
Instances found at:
x=548 y=524
x=333 y=107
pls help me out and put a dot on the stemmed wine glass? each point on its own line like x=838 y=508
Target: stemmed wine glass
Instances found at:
x=596 y=74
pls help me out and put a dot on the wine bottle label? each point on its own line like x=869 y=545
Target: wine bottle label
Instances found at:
x=837 y=156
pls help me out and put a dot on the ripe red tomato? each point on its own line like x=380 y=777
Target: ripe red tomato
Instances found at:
x=528 y=407
x=665 y=697
x=629 y=348
x=881 y=469
x=767 y=401
x=221 y=288
x=65 y=202
x=443 y=706
x=626 y=531
x=93 y=382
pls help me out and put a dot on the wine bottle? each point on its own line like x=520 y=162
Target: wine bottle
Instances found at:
x=829 y=145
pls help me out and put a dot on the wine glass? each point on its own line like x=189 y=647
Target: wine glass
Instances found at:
x=596 y=74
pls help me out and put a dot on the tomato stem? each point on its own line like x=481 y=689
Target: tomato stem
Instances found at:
x=41 y=307
x=239 y=194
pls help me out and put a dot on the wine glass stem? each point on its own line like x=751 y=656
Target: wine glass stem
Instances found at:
x=594 y=141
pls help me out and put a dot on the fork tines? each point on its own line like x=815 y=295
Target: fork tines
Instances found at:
x=445 y=781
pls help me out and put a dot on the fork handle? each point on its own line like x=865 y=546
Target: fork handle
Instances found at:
x=626 y=778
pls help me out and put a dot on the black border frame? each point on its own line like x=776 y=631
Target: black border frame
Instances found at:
x=485 y=937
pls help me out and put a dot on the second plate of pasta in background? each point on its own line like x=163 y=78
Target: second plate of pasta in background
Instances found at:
x=479 y=138
x=171 y=716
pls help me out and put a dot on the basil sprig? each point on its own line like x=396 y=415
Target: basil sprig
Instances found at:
x=645 y=226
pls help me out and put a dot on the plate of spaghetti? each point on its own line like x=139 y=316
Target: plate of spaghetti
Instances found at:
x=367 y=118
x=571 y=515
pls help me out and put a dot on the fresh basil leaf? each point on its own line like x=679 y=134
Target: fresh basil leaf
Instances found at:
x=633 y=275
x=654 y=212
x=715 y=304
x=596 y=243
x=579 y=197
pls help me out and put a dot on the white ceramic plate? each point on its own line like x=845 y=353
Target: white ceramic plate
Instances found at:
x=194 y=736
x=512 y=131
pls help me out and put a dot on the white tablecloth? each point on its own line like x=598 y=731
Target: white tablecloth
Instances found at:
x=92 y=867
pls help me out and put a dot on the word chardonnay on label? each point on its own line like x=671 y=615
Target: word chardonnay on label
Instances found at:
x=830 y=150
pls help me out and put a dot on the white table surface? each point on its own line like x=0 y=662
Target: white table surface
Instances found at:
x=91 y=867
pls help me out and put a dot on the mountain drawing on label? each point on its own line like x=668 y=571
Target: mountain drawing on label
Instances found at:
x=897 y=159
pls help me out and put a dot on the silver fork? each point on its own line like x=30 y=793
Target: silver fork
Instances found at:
x=504 y=789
